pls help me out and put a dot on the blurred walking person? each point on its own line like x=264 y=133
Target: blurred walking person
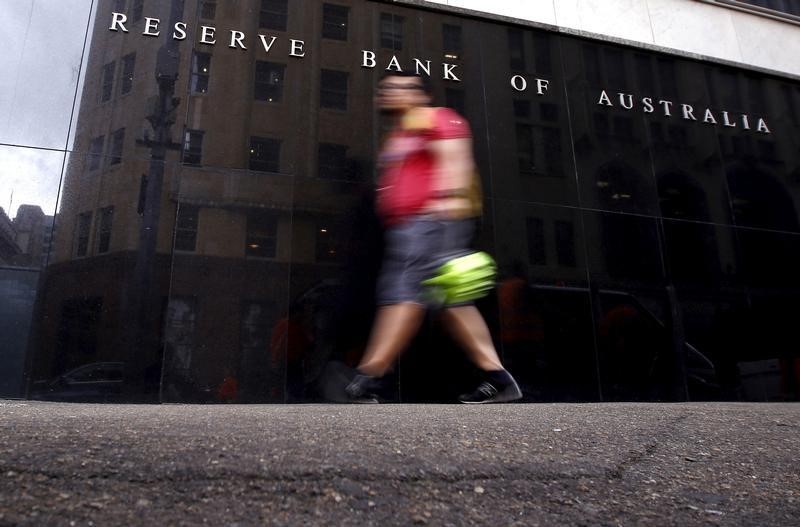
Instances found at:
x=428 y=200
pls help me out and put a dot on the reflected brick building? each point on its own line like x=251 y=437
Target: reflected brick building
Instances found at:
x=216 y=237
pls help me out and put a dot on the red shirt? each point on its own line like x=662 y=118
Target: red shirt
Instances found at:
x=408 y=170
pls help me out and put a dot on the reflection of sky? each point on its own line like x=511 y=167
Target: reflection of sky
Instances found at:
x=32 y=175
x=41 y=42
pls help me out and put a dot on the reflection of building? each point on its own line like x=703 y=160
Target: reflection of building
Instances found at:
x=8 y=239
x=34 y=235
x=247 y=254
x=26 y=241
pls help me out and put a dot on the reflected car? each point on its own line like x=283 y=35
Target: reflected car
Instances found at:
x=633 y=342
x=93 y=382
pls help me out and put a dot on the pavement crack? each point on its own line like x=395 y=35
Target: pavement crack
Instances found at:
x=663 y=433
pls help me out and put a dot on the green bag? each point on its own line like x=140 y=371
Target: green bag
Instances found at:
x=463 y=279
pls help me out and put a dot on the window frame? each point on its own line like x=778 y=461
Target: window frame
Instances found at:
x=334 y=92
x=198 y=77
x=328 y=24
x=136 y=10
x=280 y=12
x=126 y=75
x=265 y=165
x=331 y=171
x=117 y=146
x=535 y=240
x=107 y=81
x=452 y=41
x=192 y=153
x=268 y=86
x=743 y=5
x=205 y=7
x=96 y=154
x=83 y=239
x=392 y=39
x=261 y=234
x=327 y=241
x=192 y=214
x=104 y=226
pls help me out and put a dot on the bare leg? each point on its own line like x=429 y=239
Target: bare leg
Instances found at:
x=469 y=329
x=395 y=326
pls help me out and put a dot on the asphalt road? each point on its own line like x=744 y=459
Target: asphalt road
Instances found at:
x=515 y=464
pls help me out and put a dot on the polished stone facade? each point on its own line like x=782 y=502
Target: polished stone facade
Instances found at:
x=214 y=236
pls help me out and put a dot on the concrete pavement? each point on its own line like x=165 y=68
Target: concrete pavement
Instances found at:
x=515 y=464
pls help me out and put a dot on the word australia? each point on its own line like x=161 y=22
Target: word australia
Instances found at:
x=236 y=40
x=685 y=111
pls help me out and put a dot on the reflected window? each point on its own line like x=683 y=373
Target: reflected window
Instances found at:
x=644 y=73
x=454 y=98
x=678 y=136
x=126 y=75
x=591 y=63
x=82 y=231
x=335 y=21
x=451 y=41
x=269 y=81
x=117 y=142
x=615 y=67
x=333 y=89
x=332 y=161
x=601 y=127
x=755 y=95
x=105 y=218
x=549 y=112
x=565 y=243
x=727 y=90
x=327 y=249
x=525 y=149
x=262 y=234
x=392 y=31
x=534 y=231
x=273 y=14
x=618 y=183
x=107 y=83
x=766 y=151
x=522 y=109
x=186 y=227
x=623 y=128
x=553 y=155
x=208 y=9
x=516 y=49
x=656 y=133
x=681 y=197
x=201 y=71
x=96 y=152
x=137 y=8
x=667 y=77
x=759 y=199
x=179 y=331
x=265 y=154
x=791 y=97
x=541 y=48
x=193 y=147
x=788 y=8
x=256 y=323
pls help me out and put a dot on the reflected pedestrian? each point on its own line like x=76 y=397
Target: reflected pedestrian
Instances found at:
x=428 y=201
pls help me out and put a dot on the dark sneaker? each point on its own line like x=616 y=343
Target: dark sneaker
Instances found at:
x=487 y=392
x=363 y=389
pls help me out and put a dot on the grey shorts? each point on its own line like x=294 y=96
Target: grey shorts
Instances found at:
x=414 y=250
